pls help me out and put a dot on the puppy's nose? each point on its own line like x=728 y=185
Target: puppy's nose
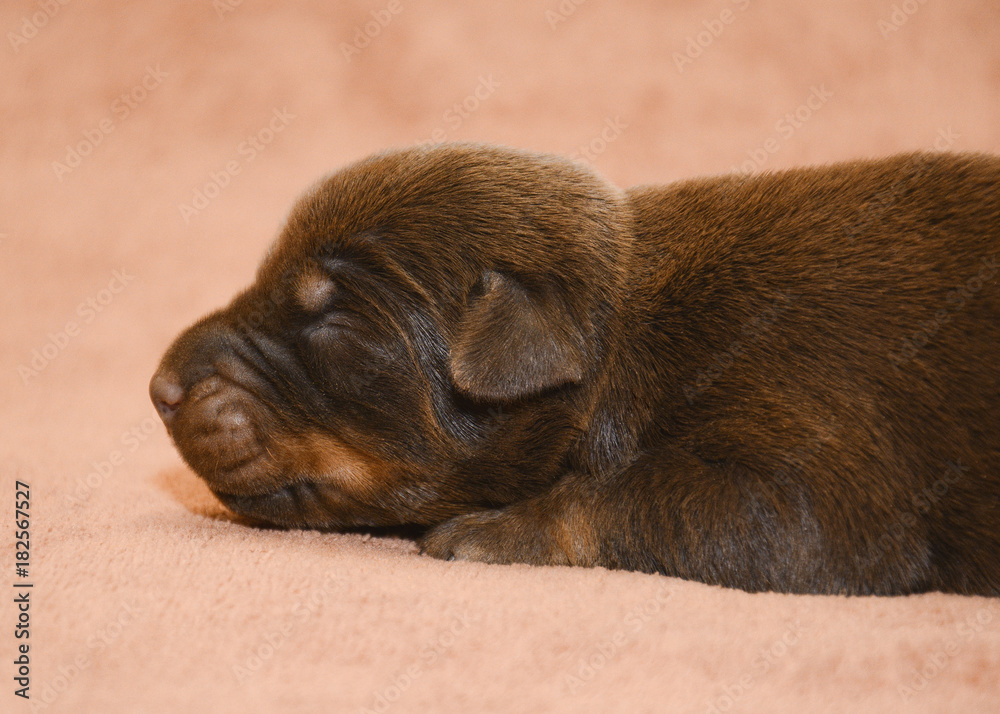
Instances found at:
x=167 y=394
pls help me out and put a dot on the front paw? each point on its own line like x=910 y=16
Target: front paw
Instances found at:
x=493 y=537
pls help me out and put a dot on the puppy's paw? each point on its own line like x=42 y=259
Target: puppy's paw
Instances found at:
x=500 y=536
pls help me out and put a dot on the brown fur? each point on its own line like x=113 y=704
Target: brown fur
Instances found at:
x=782 y=382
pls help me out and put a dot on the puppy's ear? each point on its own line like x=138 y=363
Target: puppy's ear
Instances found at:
x=511 y=343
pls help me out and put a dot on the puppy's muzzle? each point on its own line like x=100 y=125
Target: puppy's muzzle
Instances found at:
x=210 y=411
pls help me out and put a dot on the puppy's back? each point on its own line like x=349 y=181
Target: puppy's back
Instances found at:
x=845 y=318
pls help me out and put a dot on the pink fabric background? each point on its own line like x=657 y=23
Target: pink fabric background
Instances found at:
x=148 y=599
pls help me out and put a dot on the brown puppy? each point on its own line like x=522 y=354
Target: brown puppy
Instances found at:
x=782 y=382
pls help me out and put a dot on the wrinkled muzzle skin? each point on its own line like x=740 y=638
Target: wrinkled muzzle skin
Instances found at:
x=266 y=415
x=383 y=368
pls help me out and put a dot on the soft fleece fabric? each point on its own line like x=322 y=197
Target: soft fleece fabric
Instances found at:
x=148 y=154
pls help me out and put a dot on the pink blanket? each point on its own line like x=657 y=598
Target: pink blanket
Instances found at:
x=148 y=154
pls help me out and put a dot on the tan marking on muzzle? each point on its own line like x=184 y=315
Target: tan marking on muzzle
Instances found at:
x=329 y=460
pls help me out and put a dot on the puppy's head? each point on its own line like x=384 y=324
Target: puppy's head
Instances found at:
x=419 y=342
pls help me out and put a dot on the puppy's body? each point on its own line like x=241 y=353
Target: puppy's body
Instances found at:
x=783 y=382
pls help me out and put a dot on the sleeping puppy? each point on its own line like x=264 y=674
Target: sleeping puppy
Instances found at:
x=781 y=382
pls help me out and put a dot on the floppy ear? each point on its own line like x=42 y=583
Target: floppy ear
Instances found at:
x=511 y=344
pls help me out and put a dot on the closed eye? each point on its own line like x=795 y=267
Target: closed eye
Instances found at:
x=333 y=322
x=339 y=319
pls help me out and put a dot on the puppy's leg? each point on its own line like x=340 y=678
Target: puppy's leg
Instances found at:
x=553 y=528
x=678 y=515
